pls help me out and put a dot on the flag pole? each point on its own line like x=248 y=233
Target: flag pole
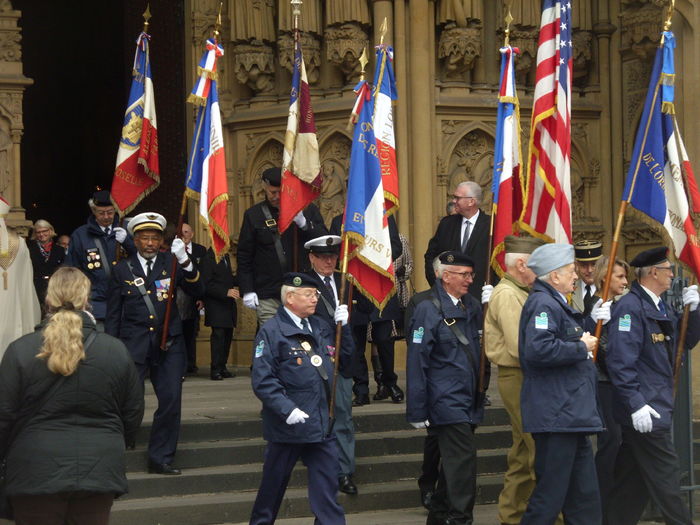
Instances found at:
x=625 y=203
x=178 y=232
x=341 y=294
x=489 y=255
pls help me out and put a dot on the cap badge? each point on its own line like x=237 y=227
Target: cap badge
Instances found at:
x=296 y=281
x=450 y=258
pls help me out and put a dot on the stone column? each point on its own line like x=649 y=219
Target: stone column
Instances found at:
x=380 y=10
x=420 y=124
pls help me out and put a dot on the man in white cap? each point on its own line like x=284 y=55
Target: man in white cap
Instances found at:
x=19 y=307
x=138 y=298
x=558 y=397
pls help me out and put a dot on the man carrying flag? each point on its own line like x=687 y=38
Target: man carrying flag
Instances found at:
x=206 y=169
x=644 y=335
x=137 y=172
x=547 y=211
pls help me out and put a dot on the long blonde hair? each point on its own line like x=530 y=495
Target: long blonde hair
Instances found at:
x=67 y=294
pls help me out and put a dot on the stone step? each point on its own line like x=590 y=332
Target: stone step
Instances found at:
x=200 y=454
x=235 y=507
x=224 y=478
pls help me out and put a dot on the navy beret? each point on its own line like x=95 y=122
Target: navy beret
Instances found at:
x=298 y=280
x=273 y=176
x=650 y=257
x=101 y=198
x=456 y=258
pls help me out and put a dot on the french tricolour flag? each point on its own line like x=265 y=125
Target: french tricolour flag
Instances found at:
x=660 y=181
x=385 y=93
x=507 y=186
x=206 y=169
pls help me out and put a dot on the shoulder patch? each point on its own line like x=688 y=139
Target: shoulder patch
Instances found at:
x=625 y=323
x=418 y=335
x=259 y=349
x=542 y=321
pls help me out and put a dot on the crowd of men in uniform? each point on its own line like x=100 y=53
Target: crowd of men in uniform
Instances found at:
x=537 y=330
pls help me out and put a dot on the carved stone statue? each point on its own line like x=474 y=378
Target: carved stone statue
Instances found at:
x=344 y=45
x=253 y=29
x=457 y=49
x=332 y=199
x=309 y=20
x=342 y=11
x=253 y=20
x=461 y=12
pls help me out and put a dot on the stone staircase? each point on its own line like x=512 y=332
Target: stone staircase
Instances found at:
x=221 y=453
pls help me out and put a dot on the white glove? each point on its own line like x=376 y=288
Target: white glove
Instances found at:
x=641 y=419
x=601 y=311
x=119 y=234
x=691 y=297
x=297 y=416
x=341 y=314
x=179 y=250
x=421 y=424
x=300 y=220
x=250 y=300
x=486 y=292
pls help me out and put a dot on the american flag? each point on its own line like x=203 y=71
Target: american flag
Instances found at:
x=547 y=212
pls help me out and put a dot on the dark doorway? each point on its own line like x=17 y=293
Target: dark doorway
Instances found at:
x=79 y=55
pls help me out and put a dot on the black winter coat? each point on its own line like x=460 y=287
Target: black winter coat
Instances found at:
x=218 y=279
x=43 y=269
x=76 y=440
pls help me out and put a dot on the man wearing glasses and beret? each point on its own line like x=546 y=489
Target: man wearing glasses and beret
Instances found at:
x=641 y=354
x=442 y=376
x=466 y=231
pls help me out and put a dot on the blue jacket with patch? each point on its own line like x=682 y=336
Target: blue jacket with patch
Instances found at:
x=81 y=254
x=283 y=378
x=642 y=345
x=559 y=392
x=441 y=378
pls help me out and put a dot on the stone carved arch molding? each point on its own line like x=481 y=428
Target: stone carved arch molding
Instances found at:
x=471 y=158
x=335 y=163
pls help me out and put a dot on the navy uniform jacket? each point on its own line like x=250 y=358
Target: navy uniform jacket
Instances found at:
x=441 y=380
x=128 y=317
x=363 y=310
x=284 y=379
x=325 y=310
x=642 y=345
x=82 y=252
x=259 y=268
x=448 y=237
x=559 y=392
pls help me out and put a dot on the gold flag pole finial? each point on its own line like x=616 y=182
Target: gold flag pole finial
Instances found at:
x=363 y=62
x=508 y=20
x=296 y=12
x=382 y=31
x=669 y=15
x=217 y=25
x=146 y=17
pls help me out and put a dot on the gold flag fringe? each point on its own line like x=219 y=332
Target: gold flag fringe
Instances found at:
x=196 y=100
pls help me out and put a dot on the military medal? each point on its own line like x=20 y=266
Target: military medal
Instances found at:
x=316 y=360
x=299 y=360
x=306 y=346
x=97 y=264
x=90 y=266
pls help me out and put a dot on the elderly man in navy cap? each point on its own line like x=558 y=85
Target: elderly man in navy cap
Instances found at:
x=265 y=255
x=292 y=375
x=641 y=353
x=138 y=298
x=442 y=375
x=558 y=397
x=93 y=249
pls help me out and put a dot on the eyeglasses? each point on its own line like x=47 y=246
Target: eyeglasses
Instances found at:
x=670 y=268
x=457 y=197
x=309 y=294
x=463 y=275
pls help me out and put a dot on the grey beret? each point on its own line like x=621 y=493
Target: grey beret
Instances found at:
x=550 y=257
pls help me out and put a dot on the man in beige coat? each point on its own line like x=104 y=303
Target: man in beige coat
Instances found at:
x=501 y=340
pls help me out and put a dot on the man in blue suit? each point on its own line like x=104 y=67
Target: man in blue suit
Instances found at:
x=641 y=353
x=136 y=307
x=442 y=375
x=292 y=375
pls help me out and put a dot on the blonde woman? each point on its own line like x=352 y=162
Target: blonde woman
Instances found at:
x=70 y=403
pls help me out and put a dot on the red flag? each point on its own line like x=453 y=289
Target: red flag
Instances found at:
x=301 y=166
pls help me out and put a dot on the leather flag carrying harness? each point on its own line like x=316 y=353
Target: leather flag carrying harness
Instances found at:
x=272 y=225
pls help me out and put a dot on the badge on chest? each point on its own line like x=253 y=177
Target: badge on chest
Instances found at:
x=93 y=258
x=162 y=289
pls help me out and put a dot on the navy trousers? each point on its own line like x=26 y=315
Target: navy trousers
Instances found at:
x=321 y=460
x=566 y=481
x=165 y=372
x=608 y=445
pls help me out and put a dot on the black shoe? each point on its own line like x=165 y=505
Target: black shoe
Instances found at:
x=426 y=498
x=346 y=485
x=216 y=376
x=382 y=393
x=192 y=370
x=226 y=374
x=396 y=393
x=163 y=468
x=360 y=399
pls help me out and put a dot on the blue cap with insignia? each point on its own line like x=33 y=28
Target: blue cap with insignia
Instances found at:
x=456 y=258
x=550 y=257
x=298 y=280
